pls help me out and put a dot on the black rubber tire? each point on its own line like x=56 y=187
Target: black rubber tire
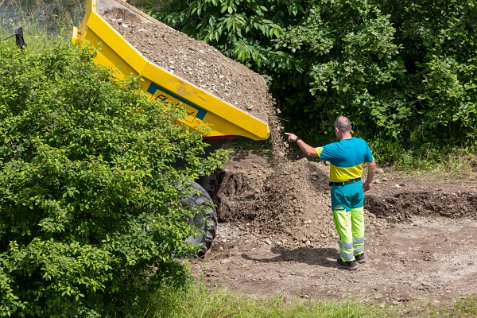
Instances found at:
x=207 y=221
x=211 y=184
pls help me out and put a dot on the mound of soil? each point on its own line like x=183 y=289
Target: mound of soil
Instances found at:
x=404 y=205
x=277 y=196
x=189 y=59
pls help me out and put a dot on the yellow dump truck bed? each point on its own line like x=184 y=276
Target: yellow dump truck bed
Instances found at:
x=220 y=118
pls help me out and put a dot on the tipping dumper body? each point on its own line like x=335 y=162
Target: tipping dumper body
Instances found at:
x=100 y=28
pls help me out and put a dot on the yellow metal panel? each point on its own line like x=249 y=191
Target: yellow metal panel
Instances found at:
x=225 y=115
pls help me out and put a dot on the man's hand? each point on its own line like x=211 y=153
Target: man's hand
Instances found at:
x=366 y=186
x=291 y=137
x=307 y=149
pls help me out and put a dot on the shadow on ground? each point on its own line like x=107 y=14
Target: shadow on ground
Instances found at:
x=325 y=257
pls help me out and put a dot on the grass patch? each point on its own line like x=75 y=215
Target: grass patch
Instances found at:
x=53 y=17
x=464 y=308
x=440 y=161
x=428 y=160
x=467 y=307
x=200 y=302
x=459 y=165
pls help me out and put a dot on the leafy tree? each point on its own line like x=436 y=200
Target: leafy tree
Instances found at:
x=440 y=55
x=348 y=56
x=244 y=30
x=90 y=200
x=404 y=71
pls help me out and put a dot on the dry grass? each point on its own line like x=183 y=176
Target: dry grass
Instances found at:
x=54 y=17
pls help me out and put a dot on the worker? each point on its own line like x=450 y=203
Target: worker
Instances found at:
x=347 y=158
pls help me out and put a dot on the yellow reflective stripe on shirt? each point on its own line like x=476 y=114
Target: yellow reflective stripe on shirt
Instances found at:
x=319 y=150
x=338 y=174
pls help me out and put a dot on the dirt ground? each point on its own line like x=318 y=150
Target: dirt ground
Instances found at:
x=277 y=236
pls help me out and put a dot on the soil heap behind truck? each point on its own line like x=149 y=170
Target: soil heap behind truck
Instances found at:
x=223 y=98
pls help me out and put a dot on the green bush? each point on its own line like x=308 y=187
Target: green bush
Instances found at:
x=90 y=208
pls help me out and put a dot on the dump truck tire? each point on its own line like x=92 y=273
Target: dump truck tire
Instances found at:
x=206 y=221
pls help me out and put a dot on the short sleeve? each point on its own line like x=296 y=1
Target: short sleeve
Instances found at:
x=369 y=155
x=325 y=152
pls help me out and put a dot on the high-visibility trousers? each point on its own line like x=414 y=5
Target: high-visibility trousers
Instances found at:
x=347 y=203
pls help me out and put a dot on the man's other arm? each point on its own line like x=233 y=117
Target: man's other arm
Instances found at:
x=370 y=176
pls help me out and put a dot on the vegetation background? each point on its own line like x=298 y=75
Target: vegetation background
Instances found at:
x=404 y=71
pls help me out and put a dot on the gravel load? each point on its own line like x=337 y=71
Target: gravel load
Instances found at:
x=190 y=59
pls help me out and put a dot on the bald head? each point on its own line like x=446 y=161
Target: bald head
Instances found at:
x=343 y=124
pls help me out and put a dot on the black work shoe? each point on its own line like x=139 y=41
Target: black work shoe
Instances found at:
x=347 y=265
x=360 y=258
